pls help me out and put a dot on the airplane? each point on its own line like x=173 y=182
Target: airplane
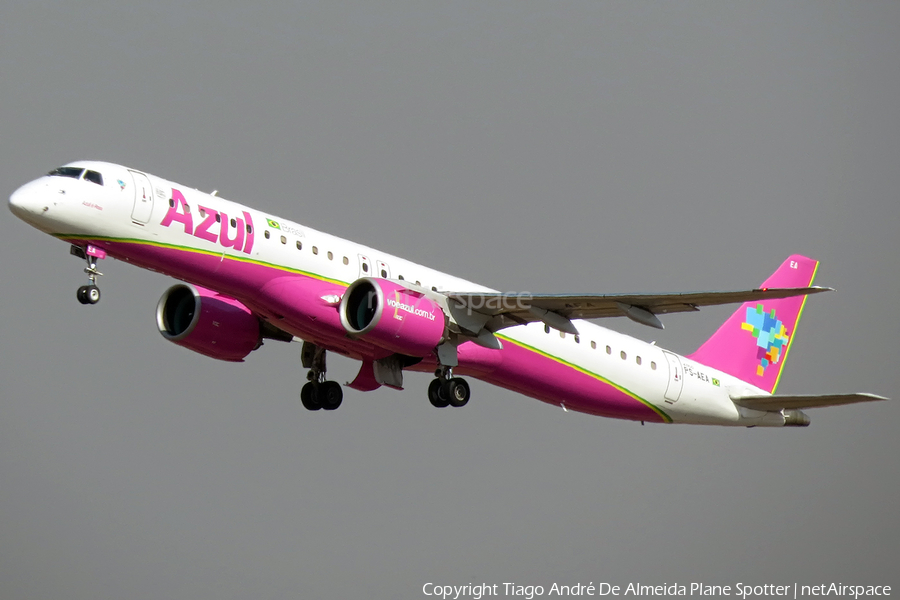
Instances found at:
x=250 y=276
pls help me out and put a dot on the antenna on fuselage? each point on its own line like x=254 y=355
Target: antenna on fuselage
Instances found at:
x=214 y=193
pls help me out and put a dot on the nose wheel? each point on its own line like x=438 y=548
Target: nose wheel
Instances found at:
x=89 y=294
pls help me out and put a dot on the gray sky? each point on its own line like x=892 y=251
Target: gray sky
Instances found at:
x=646 y=147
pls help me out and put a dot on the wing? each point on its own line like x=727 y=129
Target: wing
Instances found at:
x=508 y=309
x=775 y=403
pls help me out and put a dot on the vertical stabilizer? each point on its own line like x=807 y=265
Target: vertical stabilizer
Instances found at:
x=754 y=342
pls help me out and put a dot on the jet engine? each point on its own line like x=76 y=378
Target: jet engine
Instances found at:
x=207 y=322
x=392 y=316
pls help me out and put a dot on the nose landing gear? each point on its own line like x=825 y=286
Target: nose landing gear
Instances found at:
x=89 y=294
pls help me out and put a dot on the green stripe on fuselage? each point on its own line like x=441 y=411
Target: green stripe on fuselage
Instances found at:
x=597 y=376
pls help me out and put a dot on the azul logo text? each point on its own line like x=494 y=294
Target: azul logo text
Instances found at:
x=215 y=227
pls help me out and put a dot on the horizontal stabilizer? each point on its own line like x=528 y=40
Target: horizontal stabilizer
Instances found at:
x=775 y=403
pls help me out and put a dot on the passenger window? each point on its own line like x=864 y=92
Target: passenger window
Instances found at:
x=577 y=339
x=315 y=250
x=384 y=273
x=299 y=245
x=233 y=223
x=638 y=360
x=202 y=212
x=400 y=277
x=623 y=355
x=93 y=177
x=562 y=334
x=346 y=260
x=593 y=345
x=609 y=350
x=365 y=268
x=419 y=283
x=546 y=329
x=653 y=365
x=249 y=229
x=330 y=255
x=283 y=240
x=172 y=202
x=267 y=234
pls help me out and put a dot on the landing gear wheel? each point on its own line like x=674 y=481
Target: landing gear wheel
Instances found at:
x=92 y=294
x=89 y=294
x=434 y=394
x=309 y=396
x=456 y=390
x=318 y=393
x=330 y=395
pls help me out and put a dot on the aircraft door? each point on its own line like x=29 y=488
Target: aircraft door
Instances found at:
x=676 y=378
x=365 y=266
x=143 y=198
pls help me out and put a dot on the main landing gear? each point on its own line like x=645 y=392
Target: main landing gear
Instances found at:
x=318 y=393
x=446 y=390
x=88 y=294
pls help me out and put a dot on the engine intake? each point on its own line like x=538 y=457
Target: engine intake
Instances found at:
x=392 y=317
x=207 y=322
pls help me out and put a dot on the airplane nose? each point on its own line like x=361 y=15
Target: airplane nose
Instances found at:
x=17 y=202
x=26 y=202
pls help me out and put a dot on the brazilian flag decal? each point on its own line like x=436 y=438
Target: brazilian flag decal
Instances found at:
x=715 y=382
x=273 y=224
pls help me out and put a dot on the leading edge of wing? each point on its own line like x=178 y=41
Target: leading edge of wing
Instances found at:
x=519 y=306
x=783 y=402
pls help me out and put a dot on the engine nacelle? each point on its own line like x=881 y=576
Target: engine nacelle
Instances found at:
x=208 y=323
x=393 y=317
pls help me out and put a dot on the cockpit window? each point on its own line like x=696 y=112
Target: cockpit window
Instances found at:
x=73 y=172
x=93 y=177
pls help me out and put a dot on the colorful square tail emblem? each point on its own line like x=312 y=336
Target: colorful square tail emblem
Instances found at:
x=771 y=336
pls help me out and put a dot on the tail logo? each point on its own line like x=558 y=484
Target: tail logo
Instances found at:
x=771 y=337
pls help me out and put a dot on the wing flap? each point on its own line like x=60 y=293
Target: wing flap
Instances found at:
x=782 y=402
